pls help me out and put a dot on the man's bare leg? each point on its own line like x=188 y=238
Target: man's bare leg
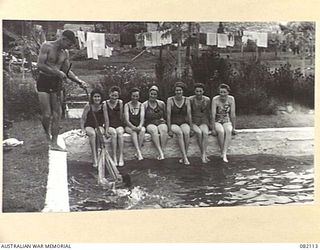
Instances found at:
x=45 y=107
x=56 y=116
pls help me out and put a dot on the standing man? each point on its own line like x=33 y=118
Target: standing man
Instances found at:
x=54 y=66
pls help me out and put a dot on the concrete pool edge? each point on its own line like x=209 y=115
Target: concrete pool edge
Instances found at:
x=278 y=141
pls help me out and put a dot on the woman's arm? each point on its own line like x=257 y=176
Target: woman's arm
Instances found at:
x=209 y=108
x=84 y=117
x=162 y=105
x=121 y=110
x=106 y=117
x=213 y=115
x=142 y=112
x=126 y=116
x=189 y=115
x=169 y=114
x=233 y=114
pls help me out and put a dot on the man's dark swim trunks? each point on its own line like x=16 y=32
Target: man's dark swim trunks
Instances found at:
x=48 y=84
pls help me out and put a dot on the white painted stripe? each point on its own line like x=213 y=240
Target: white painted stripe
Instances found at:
x=57 y=196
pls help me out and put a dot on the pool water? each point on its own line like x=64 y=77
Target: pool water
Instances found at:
x=257 y=180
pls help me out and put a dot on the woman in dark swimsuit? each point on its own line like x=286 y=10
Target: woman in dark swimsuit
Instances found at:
x=115 y=126
x=200 y=113
x=88 y=123
x=223 y=118
x=179 y=119
x=155 y=120
x=134 y=118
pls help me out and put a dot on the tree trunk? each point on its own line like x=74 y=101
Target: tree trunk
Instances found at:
x=179 y=68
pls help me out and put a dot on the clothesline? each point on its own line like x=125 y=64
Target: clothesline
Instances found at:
x=96 y=42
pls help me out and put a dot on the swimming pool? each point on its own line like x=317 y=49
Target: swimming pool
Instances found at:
x=257 y=180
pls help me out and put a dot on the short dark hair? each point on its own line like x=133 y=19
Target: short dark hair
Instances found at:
x=70 y=35
x=96 y=91
x=115 y=88
x=199 y=85
x=180 y=85
x=134 y=90
x=224 y=86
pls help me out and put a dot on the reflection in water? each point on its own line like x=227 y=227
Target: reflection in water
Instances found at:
x=245 y=180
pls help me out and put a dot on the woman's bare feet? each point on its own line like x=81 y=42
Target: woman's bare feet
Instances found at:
x=224 y=158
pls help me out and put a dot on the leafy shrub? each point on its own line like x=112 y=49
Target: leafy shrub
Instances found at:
x=20 y=98
x=126 y=78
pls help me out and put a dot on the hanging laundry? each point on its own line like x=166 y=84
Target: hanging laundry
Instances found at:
x=252 y=35
x=211 y=38
x=230 y=42
x=165 y=37
x=98 y=45
x=108 y=51
x=75 y=27
x=81 y=39
x=152 y=27
x=94 y=50
x=262 y=39
x=222 y=40
x=147 y=37
x=89 y=48
x=155 y=37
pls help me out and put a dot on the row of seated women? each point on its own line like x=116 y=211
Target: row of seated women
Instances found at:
x=182 y=116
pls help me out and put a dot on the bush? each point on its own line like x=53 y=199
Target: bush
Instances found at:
x=256 y=89
x=126 y=78
x=20 y=98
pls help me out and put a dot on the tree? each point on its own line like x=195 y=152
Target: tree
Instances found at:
x=301 y=34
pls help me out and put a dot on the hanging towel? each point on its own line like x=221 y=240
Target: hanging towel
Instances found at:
x=262 y=40
x=244 y=39
x=94 y=50
x=147 y=37
x=155 y=37
x=89 y=48
x=108 y=51
x=167 y=39
x=211 y=38
x=252 y=35
x=230 y=42
x=222 y=40
x=81 y=39
x=152 y=27
x=98 y=45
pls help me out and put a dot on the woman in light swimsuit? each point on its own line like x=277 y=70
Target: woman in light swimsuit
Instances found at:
x=200 y=113
x=115 y=126
x=223 y=118
x=179 y=119
x=134 y=118
x=155 y=120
